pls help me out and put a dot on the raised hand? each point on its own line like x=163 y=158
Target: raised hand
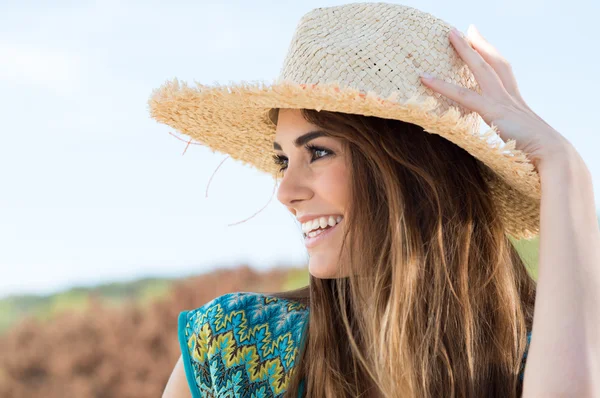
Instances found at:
x=500 y=104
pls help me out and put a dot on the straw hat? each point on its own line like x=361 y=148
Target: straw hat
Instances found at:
x=360 y=58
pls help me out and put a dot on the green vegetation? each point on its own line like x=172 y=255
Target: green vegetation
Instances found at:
x=146 y=290
x=45 y=307
x=528 y=250
x=297 y=278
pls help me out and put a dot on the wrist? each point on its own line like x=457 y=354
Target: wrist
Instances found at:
x=563 y=161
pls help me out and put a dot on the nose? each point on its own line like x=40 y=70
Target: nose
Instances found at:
x=294 y=187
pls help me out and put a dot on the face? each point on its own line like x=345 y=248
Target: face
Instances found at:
x=315 y=184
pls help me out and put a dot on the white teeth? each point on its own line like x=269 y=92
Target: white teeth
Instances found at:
x=315 y=224
x=312 y=234
x=321 y=222
x=331 y=221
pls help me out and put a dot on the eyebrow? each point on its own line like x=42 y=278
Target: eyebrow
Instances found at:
x=303 y=139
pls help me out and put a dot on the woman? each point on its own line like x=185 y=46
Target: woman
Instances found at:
x=415 y=289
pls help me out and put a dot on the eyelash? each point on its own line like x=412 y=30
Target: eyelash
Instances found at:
x=279 y=160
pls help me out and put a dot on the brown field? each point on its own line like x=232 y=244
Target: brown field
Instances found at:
x=73 y=345
x=114 y=351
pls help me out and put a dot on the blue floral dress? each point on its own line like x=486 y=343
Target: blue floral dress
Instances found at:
x=243 y=345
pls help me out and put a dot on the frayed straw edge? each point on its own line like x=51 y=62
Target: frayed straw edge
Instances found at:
x=418 y=106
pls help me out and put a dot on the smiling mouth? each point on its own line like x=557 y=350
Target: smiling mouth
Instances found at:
x=315 y=237
x=317 y=229
x=318 y=232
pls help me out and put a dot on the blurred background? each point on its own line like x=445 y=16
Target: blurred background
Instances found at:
x=107 y=230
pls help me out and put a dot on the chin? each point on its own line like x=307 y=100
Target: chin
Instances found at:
x=323 y=267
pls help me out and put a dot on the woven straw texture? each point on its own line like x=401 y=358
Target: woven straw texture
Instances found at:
x=360 y=58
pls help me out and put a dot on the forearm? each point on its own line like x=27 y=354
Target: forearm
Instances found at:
x=564 y=355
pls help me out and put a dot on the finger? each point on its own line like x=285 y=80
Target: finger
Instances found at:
x=485 y=75
x=493 y=57
x=463 y=96
x=500 y=65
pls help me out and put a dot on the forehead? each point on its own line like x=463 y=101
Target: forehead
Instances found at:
x=290 y=123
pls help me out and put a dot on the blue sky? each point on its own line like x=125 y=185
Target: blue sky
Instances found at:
x=94 y=190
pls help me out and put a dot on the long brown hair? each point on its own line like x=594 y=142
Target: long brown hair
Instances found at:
x=438 y=301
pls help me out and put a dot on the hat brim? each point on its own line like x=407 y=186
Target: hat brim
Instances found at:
x=233 y=120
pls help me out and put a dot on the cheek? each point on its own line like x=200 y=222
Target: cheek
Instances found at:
x=334 y=184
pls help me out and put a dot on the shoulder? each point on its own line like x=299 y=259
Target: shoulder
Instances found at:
x=229 y=340
x=240 y=310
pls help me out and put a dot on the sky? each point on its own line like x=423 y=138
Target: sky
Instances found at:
x=93 y=190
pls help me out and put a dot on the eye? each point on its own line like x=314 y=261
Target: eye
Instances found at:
x=282 y=160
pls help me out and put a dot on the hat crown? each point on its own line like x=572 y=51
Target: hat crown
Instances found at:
x=377 y=47
x=364 y=59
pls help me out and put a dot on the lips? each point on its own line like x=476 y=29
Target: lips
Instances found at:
x=313 y=241
x=320 y=223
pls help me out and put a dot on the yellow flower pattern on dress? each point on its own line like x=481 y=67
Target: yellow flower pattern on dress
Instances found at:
x=242 y=345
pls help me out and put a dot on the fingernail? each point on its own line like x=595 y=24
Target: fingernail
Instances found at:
x=426 y=76
x=458 y=33
x=473 y=30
